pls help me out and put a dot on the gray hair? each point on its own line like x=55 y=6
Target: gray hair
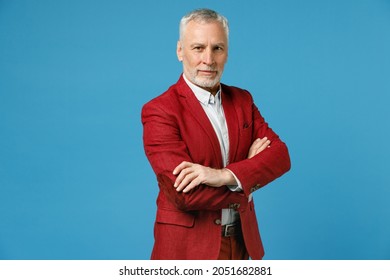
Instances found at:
x=203 y=16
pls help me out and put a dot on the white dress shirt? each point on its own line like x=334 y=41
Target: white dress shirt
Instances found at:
x=212 y=106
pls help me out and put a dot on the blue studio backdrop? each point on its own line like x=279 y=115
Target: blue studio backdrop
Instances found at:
x=74 y=179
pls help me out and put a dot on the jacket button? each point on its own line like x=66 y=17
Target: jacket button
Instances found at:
x=217 y=221
x=234 y=206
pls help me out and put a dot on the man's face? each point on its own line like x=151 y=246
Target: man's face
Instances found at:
x=203 y=50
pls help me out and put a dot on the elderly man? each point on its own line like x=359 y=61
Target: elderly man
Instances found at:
x=210 y=149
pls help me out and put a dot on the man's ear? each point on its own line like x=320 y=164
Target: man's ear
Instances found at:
x=179 y=51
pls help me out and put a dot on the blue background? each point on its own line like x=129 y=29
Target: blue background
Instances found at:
x=74 y=180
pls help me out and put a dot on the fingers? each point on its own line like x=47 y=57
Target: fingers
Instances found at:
x=186 y=181
x=263 y=143
x=181 y=166
x=193 y=183
x=259 y=145
x=187 y=178
x=182 y=170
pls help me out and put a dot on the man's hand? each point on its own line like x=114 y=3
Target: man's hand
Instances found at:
x=190 y=175
x=258 y=146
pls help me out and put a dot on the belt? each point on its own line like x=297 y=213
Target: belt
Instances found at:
x=231 y=230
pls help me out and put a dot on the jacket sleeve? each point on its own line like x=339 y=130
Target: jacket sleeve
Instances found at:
x=266 y=166
x=165 y=149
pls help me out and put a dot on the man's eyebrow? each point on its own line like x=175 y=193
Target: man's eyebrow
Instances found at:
x=197 y=44
x=222 y=44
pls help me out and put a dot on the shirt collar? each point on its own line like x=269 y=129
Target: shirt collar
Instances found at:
x=203 y=95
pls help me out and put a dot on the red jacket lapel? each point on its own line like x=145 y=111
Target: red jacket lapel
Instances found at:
x=195 y=108
x=231 y=121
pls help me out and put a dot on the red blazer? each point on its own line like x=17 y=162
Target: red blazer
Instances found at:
x=177 y=129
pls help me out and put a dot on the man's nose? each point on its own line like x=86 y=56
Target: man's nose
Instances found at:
x=208 y=57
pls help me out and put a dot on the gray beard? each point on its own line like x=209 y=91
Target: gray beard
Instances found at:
x=206 y=83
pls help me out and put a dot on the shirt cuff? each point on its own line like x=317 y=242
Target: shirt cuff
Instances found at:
x=238 y=187
x=234 y=188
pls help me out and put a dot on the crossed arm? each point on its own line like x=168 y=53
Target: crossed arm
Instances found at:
x=191 y=186
x=189 y=175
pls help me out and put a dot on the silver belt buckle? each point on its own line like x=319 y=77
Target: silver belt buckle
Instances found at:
x=226 y=229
